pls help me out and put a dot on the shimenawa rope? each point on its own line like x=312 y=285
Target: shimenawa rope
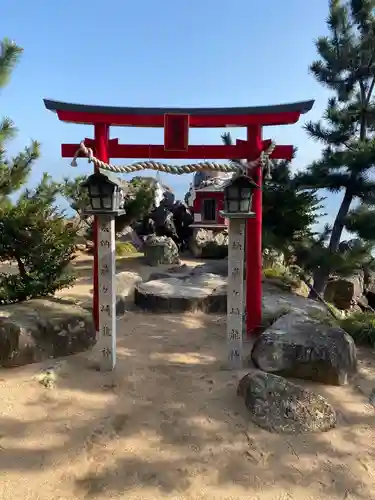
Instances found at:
x=174 y=169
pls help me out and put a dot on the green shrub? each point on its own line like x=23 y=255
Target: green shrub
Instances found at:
x=284 y=278
x=361 y=326
x=125 y=248
x=273 y=272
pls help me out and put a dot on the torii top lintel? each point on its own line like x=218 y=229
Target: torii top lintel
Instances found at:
x=280 y=114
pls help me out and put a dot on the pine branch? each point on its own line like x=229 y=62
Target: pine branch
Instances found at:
x=10 y=54
x=13 y=175
x=362 y=221
x=7 y=131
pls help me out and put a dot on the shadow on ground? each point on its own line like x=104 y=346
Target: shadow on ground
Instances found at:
x=169 y=422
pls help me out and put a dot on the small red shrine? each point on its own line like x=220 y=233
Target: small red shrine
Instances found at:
x=208 y=202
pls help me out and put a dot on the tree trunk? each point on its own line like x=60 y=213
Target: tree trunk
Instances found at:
x=321 y=274
x=319 y=284
x=21 y=267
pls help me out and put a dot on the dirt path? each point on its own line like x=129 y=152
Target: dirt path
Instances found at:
x=168 y=425
x=171 y=427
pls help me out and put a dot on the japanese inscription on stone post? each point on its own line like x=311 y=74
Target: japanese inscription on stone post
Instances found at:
x=235 y=300
x=107 y=292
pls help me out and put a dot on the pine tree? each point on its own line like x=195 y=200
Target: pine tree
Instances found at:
x=33 y=232
x=289 y=212
x=13 y=173
x=346 y=66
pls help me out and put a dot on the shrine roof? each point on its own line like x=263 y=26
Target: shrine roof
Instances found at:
x=210 y=189
x=199 y=117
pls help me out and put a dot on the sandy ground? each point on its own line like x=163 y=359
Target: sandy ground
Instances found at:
x=168 y=425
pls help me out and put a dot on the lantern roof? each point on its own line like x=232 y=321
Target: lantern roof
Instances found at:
x=240 y=179
x=107 y=177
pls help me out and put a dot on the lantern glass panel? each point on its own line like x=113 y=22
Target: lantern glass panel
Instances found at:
x=244 y=206
x=107 y=203
x=95 y=203
x=93 y=190
x=233 y=192
x=233 y=206
x=107 y=190
x=246 y=192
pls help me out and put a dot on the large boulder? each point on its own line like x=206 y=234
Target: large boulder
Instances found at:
x=43 y=328
x=297 y=345
x=344 y=293
x=209 y=244
x=160 y=250
x=278 y=405
x=201 y=292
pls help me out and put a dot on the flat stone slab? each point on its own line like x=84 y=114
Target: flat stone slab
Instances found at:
x=201 y=292
x=204 y=288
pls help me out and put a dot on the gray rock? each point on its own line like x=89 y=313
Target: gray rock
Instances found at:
x=272 y=258
x=128 y=235
x=302 y=347
x=274 y=300
x=203 y=292
x=81 y=247
x=43 y=328
x=278 y=405
x=344 y=292
x=160 y=250
x=125 y=286
x=209 y=244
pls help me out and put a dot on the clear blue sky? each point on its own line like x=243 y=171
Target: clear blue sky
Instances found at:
x=166 y=53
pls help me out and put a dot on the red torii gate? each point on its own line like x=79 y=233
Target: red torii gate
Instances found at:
x=176 y=123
